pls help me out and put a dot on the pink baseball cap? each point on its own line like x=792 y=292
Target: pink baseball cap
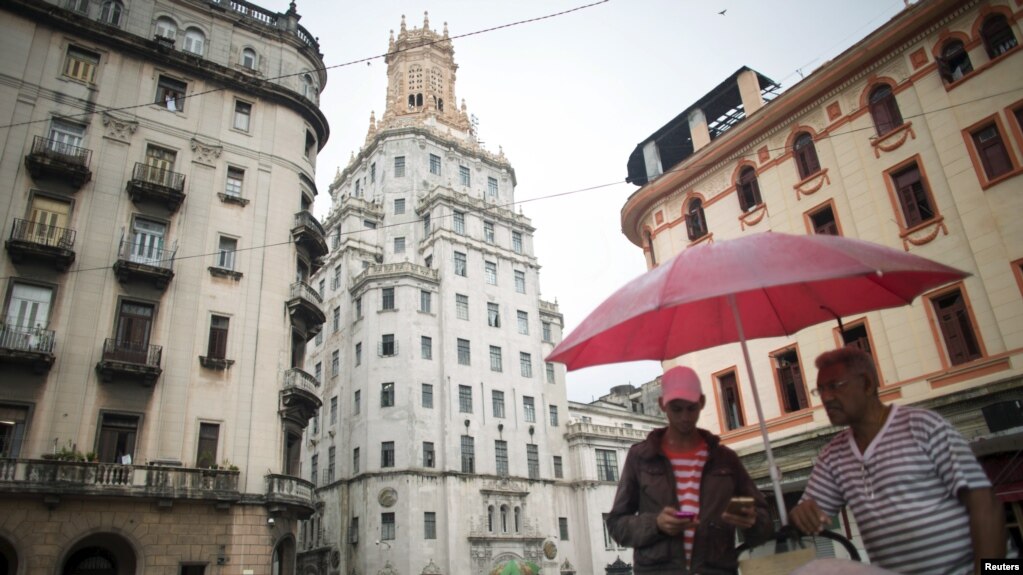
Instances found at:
x=680 y=383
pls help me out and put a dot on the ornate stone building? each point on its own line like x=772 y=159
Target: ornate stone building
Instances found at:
x=156 y=176
x=911 y=138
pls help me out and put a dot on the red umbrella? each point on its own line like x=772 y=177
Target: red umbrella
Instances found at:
x=760 y=285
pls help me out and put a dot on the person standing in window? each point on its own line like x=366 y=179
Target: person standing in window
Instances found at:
x=681 y=469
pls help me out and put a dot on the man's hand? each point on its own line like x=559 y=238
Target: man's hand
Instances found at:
x=671 y=525
x=745 y=519
x=808 y=518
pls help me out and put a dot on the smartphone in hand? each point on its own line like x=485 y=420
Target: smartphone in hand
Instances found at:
x=685 y=515
x=737 y=504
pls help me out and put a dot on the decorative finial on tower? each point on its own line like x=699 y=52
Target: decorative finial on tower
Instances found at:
x=292 y=9
x=445 y=29
x=403 y=28
x=426 y=20
x=372 y=120
x=463 y=104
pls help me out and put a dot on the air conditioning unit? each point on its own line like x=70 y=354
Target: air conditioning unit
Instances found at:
x=1003 y=415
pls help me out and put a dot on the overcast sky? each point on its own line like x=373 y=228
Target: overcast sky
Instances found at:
x=568 y=98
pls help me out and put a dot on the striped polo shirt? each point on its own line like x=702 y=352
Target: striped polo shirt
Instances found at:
x=688 y=468
x=903 y=491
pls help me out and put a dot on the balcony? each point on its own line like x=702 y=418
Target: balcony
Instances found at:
x=152 y=184
x=27 y=345
x=304 y=308
x=285 y=493
x=60 y=161
x=299 y=399
x=33 y=242
x=144 y=262
x=309 y=235
x=130 y=360
x=56 y=479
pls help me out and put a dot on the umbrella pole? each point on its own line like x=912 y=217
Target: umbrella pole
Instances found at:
x=772 y=468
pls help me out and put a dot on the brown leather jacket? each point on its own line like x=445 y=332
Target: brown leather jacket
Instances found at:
x=648 y=485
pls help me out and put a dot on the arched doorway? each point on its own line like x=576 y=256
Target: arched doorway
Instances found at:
x=8 y=558
x=282 y=562
x=101 y=554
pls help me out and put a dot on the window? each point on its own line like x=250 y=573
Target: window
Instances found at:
x=193 y=569
x=387 y=394
x=353 y=530
x=488 y=232
x=358 y=307
x=314 y=465
x=399 y=245
x=856 y=336
x=308 y=87
x=525 y=364
x=696 y=222
x=495 y=358
x=498 y=401
x=464 y=399
x=545 y=330
x=554 y=415
x=460 y=264
x=490 y=272
x=884 y=110
x=528 y=409
x=435 y=164
x=463 y=174
x=492 y=187
x=749 y=189
x=501 y=457
x=355 y=460
x=80 y=64
x=517 y=242
x=226 y=249
x=559 y=472
x=217 y=348
x=429 y=455
x=805 y=154
x=563 y=528
x=117 y=435
x=171 y=93
x=388 y=347
x=336 y=319
x=387 y=298
x=373 y=178
x=493 y=314
x=550 y=372
x=607 y=465
x=235 y=180
x=195 y=41
x=998 y=36
x=333 y=409
x=426 y=226
x=242 y=116
x=461 y=306
x=790 y=381
x=426 y=347
x=110 y=13
x=533 y=461
x=206 y=449
x=956 y=327
x=319 y=371
x=387 y=528
x=464 y=357
x=80 y=6
x=336 y=282
x=249 y=58
x=823 y=221
x=427 y=395
x=523 y=320
x=468 y=445
x=399 y=205
x=520 y=281
x=322 y=287
x=331 y=460
x=428 y=261
x=913 y=196
x=387 y=454
x=64 y=138
x=954 y=62
x=134 y=322
x=357 y=402
x=399 y=166
x=425 y=301
x=310 y=145
x=166 y=28
x=731 y=404
x=429 y=525
x=459 y=223
x=994 y=156
x=358 y=354
x=13 y=419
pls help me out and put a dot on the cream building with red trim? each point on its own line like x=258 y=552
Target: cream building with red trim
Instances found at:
x=911 y=138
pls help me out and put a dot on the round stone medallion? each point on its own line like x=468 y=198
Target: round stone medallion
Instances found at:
x=550 y=550
x=388 y=497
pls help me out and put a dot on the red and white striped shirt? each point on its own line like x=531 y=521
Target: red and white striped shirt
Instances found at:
x=688 y=468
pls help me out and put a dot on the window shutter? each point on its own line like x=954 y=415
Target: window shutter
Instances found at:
x=907 y=197
x=797 y=382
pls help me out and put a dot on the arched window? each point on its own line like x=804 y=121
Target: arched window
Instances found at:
x=805 y=155
x=166 y=28
x=504 y=519
x=111 y=12
x=998 y=36
x=749 y=189
x=490 y=518
x=518 y=519
x=308 y=87
x=954 y=62
x=195 y=41
x=884 y=109
x=650 y=242
x=696 y=224
x=249 y=58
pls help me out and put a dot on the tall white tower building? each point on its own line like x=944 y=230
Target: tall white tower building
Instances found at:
x=440 y=447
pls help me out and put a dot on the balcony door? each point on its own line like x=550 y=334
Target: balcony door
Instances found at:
x=117 y=435
x=29 y=307
x=134 y=323
x=147 y=242
x=159 y=166
x=48 y=219
x=65 y=137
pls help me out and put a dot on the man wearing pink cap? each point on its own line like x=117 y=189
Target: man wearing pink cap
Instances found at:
x=673 y=496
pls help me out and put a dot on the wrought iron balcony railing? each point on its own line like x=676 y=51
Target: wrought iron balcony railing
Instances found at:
x=132 y=352
x=61 y=151
x=26 y=339
x=42 y=234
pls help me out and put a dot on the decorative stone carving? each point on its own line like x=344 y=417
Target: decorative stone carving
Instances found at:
x=117 y=128
x=431 y=569
x=388 y=569
x=205 y=153
x=387 y=497
x=550 y=549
